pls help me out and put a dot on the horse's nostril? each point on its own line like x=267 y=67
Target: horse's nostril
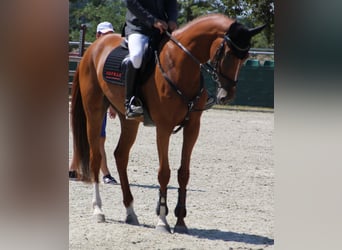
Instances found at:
x=221 y=101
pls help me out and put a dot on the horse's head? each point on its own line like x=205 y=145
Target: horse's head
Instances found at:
x=229 y=57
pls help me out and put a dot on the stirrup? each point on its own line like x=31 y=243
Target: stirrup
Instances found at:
x=134 y=108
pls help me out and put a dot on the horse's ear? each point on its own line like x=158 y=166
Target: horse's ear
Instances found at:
x=256 y=30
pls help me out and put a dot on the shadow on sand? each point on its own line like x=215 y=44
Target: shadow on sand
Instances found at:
x=157 y=187
x=215 y=234
x=211 y=234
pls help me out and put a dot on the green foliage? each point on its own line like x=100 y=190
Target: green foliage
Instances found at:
x=249 y=12
x=93 y=12
x=263 y=13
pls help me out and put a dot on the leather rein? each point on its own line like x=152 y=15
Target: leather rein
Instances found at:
x=211 y=70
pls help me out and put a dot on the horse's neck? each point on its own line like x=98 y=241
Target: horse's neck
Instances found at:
x=200 y=39
x=183 y=67
x=199 y=46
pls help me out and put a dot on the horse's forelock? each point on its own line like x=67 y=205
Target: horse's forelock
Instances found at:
x=239 y=34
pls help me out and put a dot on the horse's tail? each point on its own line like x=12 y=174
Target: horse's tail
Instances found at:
x=79 y=129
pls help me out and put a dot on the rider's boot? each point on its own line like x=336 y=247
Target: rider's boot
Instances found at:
x=133 y=104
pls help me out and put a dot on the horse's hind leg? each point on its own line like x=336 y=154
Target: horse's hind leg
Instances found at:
x=97 y=204
x=95 y=161
x=95 y=110
x=190 y=135
x=129 y=129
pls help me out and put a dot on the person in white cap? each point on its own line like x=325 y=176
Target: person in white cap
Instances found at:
x=103 y=28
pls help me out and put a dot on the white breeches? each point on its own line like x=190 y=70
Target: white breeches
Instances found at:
x=136 y=45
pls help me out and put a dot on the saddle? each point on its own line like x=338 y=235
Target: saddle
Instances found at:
x=114 y=72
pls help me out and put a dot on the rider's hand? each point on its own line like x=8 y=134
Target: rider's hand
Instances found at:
x=172 y=25
x=161 y=25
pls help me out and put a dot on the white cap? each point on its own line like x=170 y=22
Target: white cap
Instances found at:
x=105 y=27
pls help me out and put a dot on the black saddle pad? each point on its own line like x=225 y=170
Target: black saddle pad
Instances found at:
x=114 y=73
x=112 y=70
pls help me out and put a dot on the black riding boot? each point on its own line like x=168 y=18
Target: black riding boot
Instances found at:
x=132 y=104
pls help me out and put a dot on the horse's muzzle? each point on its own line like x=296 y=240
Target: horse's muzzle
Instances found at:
x=224 y=97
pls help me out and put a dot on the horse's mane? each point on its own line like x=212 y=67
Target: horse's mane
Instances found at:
x=208 y=20
x=216 y=24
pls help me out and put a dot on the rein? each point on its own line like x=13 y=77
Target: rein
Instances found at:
x=190 y=102
x=206 y=66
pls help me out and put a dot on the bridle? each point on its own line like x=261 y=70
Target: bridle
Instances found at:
x=237 y=51
x=211 y=67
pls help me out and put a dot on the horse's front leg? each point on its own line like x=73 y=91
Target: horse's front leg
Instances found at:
x=190 y=134
x=163 y=138
x=129 y=129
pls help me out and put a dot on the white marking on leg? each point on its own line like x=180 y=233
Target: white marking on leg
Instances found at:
x=130 y=209
x=162 y=224
x=131 y=217
x=97 y=204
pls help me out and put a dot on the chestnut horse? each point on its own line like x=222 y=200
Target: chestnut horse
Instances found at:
x=172 y=92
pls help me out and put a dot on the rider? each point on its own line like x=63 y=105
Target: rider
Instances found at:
x=145 y=20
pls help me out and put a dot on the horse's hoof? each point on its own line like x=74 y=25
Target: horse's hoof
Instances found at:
x=162 y=225
x=181 y=230
x=163 y=228
x=99 y=218
x=132 y=220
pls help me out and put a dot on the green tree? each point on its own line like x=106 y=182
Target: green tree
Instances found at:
x=249 y=12
x=93 y=12
x=263 y=13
